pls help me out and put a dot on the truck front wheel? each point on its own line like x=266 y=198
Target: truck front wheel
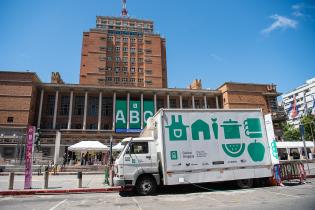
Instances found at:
x=244 y=183
x=146 y=185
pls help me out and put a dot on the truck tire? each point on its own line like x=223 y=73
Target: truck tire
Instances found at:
x=146 y=185
x=244 y=183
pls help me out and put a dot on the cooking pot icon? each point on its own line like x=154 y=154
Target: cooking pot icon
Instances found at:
x=231 y=129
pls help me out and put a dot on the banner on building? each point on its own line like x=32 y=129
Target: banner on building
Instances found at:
x=134 y=117
x=271 y=139
x=28 y=157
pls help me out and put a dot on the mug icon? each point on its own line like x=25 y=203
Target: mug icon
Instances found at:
x=252 y=128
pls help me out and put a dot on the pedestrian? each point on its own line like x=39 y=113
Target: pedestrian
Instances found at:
x=82 y=159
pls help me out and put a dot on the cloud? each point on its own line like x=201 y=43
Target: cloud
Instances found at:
x=280 y=22
x=216 y=57
x=297 y=9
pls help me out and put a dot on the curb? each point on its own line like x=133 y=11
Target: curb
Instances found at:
x=52 y=174
x=62 y=191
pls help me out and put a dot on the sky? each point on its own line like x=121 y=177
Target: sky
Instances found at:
x=217 y=41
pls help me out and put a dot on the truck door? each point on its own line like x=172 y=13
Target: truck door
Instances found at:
x=137 y=159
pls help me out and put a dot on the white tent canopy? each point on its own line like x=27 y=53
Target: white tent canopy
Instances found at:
x=88 y=146
x=294 y=144
x=118 y=147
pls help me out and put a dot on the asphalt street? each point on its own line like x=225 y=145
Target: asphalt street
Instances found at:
x=290 y=197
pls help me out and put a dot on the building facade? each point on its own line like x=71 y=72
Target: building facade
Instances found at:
x=84 y=112
x=123 y=52
x=302 y=98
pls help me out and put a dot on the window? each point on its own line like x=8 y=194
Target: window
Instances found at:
x=117 y=69
x=140 y=41
x=124 y=80
x=109 y=49
x=140 y=80
x=110 y=38
x=132 y=60
x=51 y=105
x=140 y=60
x=64 y=105
x=133 y=50
x=102 y=48
x=125 y=39
x=109 y=58
x=10 y=119
x=140 y=50
x=148 y=82
x=79 y=105
x=172 y=103
x=132 y=79
x=118 y=23
x=140 y=70
x=139 y=148
x=117 y=49
x=107 y=106
x=117 y=39
x=103 y=38
x=117 y=59
x=132 y=69
x=149 y=61
x=93 y=106
x=108 y=68
x=108 y=79
x=148 y=41
x=101 y=68
x=124 y=69
x=116 y=79
x=93 y=127
x=148 y=51
x=102 y=58
x=148 y=72
x=133 y=40
x=125 y=49
x=125 y=59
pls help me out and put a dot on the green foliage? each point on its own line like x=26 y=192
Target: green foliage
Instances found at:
x=309 y=124
x=290 y=133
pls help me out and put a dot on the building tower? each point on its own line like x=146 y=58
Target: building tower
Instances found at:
x=122 y=51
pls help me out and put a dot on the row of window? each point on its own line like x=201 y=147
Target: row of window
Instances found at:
x=124 y=39
x=125 y=23
x=125 y=49
x=78 y=107
x=125 y=69
x=124 y=79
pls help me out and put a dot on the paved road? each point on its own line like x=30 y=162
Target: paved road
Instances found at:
x=291 y=197
x=55 y=182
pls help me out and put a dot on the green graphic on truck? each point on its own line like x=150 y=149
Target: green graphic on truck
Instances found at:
x=231 y=129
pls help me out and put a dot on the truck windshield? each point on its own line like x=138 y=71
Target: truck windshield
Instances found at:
x=123 y=150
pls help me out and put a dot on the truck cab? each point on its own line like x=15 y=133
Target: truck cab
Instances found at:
x=137 y=165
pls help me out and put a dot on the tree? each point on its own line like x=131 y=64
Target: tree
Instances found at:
x=309 y=125
x=290 y=133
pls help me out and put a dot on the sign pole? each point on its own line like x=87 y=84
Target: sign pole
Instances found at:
x=302 y=129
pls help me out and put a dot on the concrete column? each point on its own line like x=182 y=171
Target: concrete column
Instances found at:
x=217 y=102
x=155 y=103
x=168 y=101
x=85 y=110
x=55 y=109
x=141 y=111
x=70 y=110
x=205 y=101
x=193 y=101
x=40 y=108
x=114 y=112
x=128 y=104
x=180 y=101
x=99 y=122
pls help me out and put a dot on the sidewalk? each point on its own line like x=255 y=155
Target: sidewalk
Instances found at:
x=61 y=183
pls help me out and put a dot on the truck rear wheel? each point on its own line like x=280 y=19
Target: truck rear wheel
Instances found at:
x=244 y=183
x=146 y=185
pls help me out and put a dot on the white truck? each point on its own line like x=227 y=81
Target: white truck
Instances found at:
x=196 y=146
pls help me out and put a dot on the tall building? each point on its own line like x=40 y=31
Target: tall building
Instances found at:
x=302 y=98
x=123 y=51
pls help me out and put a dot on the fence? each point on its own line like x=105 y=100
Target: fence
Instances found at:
x=289 y=171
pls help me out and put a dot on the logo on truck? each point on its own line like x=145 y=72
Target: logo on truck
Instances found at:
x=231 y=129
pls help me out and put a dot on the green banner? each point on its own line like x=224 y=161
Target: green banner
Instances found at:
x=134 y=114
x=148 y=111
x=121 y=114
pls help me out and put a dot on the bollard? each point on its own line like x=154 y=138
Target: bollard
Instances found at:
x=80 y=179
x=46 y=175
x=11 y=180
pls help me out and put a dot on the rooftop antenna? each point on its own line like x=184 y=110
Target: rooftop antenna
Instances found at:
x=124 y=12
